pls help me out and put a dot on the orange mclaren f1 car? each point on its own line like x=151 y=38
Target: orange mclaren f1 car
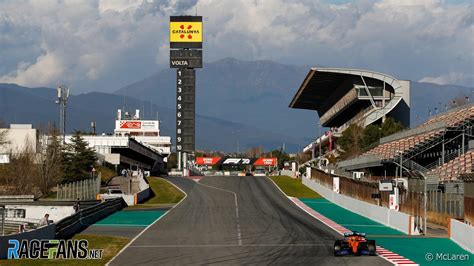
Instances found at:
x=356 y=244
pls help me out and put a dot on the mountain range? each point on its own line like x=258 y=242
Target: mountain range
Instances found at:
x=239 y=104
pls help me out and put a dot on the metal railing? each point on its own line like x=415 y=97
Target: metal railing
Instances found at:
x=86 y=189
x=447 y=158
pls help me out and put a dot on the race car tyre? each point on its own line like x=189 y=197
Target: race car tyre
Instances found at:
x=358 y=253
x=371 y=247
x=337 y=248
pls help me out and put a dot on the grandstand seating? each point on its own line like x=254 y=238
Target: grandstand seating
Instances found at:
x=390 y=149
x=452 y=118
x=452 y=169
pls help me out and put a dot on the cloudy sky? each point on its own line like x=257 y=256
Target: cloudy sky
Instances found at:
x=105 y=45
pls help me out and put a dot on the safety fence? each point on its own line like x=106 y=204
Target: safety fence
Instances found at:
x=69 y=226
x=86 y=189
x=440 y=205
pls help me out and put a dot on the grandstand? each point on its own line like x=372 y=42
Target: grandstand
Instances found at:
x=441 y=147
x=438 y=147
x=343 y=97
x=456 y=167
x=434 y=159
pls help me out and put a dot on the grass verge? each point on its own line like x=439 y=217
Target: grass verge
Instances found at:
x=164 y=193
x=106 y=173
x=294 y=188
x=111 y=246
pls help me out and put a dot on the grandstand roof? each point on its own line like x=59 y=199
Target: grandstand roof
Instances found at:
x=320 y=83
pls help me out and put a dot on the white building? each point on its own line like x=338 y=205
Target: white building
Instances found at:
x=146 y=132
x=125 y=151
x=18 y=138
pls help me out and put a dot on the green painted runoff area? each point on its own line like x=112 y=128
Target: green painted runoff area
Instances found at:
x=417 y=249
x=131 y=218
x=420 y=249
x=348 y=219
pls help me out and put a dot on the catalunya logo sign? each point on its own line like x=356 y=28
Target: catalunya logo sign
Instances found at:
x=185 y=31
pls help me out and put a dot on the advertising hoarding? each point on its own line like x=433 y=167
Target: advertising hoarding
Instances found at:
x=185 y=32
x=265 y=162
x=207 y=160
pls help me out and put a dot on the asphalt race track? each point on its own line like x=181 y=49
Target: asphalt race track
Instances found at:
x=236 y=220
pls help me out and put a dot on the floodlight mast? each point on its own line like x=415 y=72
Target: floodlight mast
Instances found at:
x=63 y=95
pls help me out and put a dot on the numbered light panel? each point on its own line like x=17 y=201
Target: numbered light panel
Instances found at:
x=185 y=109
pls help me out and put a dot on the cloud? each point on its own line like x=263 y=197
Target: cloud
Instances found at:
x=449 y=78
x=47 y=67
x=104 y=45
x=118 y=5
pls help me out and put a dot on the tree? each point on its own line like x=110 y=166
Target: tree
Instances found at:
x=172 y=161
x=351 y=139
x=459 y=100
x=50 y=167
x=78 y=159
x=390 y=126
x=280 y=155
x=3 y=133
x=21 y=171
x=370 y=136
x=254 y=152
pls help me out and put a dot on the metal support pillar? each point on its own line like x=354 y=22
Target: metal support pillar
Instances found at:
x=442 y=152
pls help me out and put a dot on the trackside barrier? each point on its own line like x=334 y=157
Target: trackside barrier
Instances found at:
x=45 y=232
x=288 y=173
x=142 y=196
x=398 y=220
x=16 y=198
x=462 y=234
x=69 y=226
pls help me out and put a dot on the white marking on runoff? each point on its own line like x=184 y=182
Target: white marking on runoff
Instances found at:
x=239 y=234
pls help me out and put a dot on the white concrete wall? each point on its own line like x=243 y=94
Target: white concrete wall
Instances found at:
x=288 y=173
x=397 y=220
x=462 y=234
x=129 y=199
x=36 y=212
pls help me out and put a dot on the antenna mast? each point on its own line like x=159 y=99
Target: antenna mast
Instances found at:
x=63 y=96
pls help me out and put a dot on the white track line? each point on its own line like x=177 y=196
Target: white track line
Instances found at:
x=239 y=234
x=137 y=236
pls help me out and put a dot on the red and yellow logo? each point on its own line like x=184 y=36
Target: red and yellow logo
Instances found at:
x=185 y=31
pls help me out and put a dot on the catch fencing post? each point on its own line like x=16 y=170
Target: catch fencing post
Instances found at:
x=2 y=207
